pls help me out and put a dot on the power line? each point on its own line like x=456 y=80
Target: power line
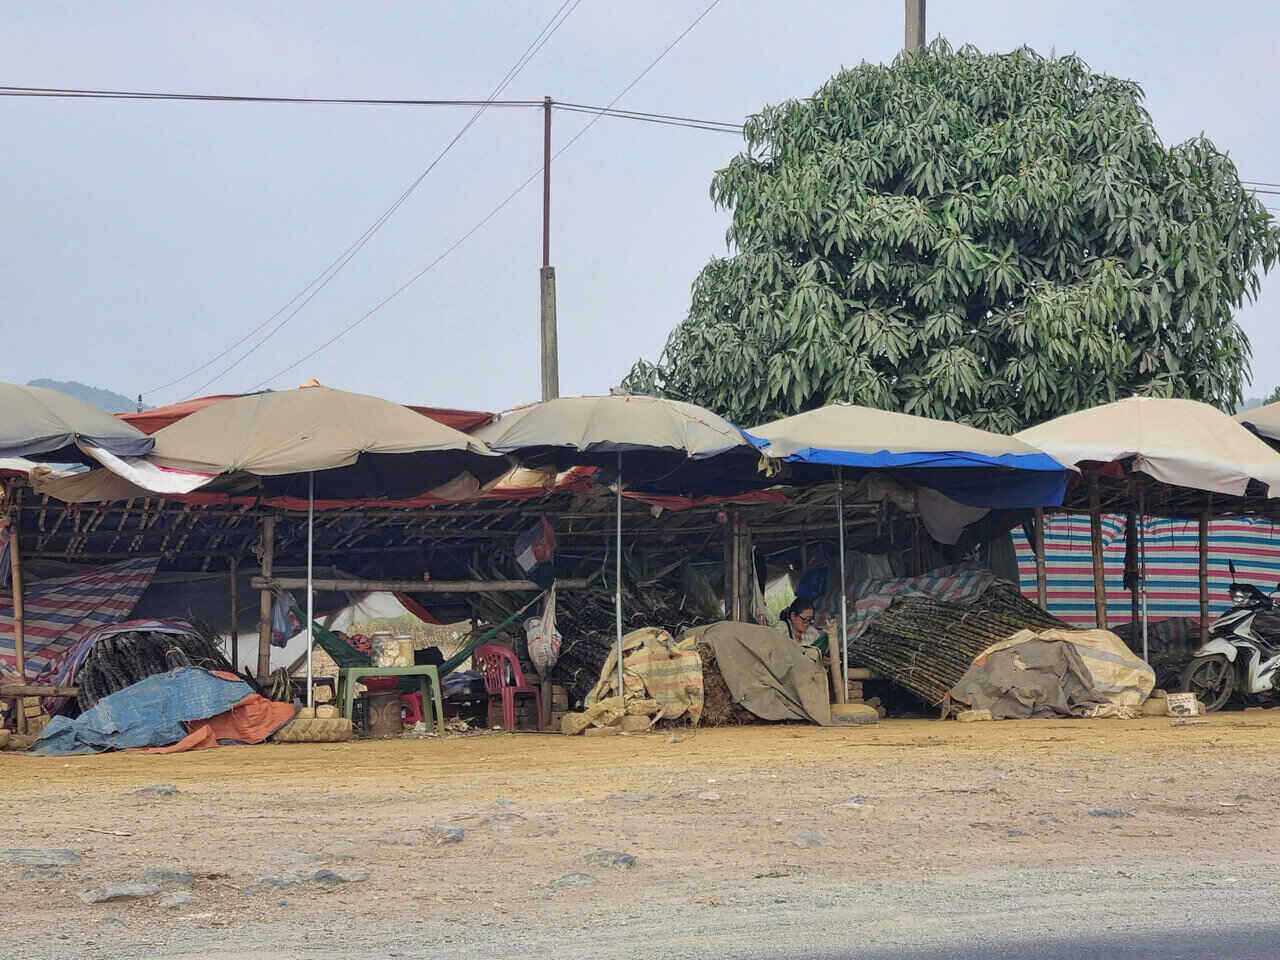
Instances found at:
x=149 y=95
x=492 y=213
x=66 y=93
x=308 y=293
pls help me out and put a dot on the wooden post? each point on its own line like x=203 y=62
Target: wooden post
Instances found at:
x=19 y=624
x=264 y=625
x=1099 y=570
x=1204 y=574
x=1042 y=581
x=235 y=613
x=914 y=33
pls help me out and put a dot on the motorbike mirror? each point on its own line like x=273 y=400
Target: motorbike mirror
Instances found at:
x=1231 y=565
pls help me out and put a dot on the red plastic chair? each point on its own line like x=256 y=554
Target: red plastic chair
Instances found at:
x=493 y=660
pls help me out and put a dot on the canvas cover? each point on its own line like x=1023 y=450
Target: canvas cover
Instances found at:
x=614 y=424
x=972 y=466
x=1180 y=442
x=360 y=447
x=1264 y=420
x=769 y=674
x=1057 y=673
x=654 y=667
x=297 y=431
x=44 y=424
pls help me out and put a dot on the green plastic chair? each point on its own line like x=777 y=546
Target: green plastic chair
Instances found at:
x=354 y=665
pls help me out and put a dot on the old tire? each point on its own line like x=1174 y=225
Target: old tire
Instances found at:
x=1211 y=679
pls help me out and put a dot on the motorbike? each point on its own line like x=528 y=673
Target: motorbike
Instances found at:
x=1243 y=652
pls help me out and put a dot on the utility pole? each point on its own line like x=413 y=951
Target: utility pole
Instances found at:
x=550 y=348
x=915 y=25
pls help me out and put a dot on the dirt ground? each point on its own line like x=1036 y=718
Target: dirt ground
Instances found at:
x=306 y=847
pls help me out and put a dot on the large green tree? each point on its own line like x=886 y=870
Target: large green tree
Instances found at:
x=994 y=239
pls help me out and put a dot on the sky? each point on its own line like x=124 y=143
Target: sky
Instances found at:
x=141 y=239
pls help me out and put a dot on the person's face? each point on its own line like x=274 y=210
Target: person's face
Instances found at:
x=801 y=619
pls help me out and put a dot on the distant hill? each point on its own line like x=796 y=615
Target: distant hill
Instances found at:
x=108 y=400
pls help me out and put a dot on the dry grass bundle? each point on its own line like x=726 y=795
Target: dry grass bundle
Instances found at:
x=718 y=708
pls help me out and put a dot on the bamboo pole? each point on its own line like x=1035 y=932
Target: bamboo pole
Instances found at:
x=19 y=621
x=1204 y=574
x=1042 y=580
x=1099 y=570
x=264 y=624
x=235 y=613
x=842 y=654
x=330 y=585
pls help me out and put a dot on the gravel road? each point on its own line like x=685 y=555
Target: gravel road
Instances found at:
x=771 y=841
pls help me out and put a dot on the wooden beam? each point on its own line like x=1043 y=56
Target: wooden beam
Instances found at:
x=264 y=624
x=35 y=690
x=1099 y=570
x=1042 y=581
x=265 y=583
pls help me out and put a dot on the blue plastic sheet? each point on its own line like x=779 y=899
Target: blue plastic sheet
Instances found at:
x=150 y=713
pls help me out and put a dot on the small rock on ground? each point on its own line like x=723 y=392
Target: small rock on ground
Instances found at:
x=631 y=797
x=610 y=858
x=168 y=879
x=40 y=858
x=441 y=834
x=156 y=790
x=176 y=899
x=133 y=890
x=709 y=795
x=575 y=880
x=808 y=839
x=1109 y=812
x=331 y=878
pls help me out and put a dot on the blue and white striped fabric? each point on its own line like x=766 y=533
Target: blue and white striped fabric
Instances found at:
x=1173 y=565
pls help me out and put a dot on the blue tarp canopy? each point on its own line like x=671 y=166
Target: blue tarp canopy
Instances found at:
x=971 y=466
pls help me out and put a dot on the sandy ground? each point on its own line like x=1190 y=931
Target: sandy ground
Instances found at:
x=744 y=839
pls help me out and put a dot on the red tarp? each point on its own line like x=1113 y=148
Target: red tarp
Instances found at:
x=251 y=720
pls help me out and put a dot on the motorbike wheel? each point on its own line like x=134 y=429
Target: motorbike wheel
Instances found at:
x=1211 y=679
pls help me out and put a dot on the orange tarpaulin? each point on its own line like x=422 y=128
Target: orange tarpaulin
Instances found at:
x=251 y=720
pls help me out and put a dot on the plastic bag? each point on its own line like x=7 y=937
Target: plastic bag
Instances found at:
x=536 y=546
x=285 y=622
x=543 y=638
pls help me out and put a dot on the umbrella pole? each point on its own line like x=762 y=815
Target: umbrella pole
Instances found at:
x=617 y=583
x=1142 y=565
x=842 y=694
x=311 y=523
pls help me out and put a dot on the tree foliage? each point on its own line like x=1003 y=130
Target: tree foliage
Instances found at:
x=993 y=239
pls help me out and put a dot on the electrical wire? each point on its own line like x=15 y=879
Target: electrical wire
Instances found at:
x=492 y=213
x=308 y=293
x=67 y=93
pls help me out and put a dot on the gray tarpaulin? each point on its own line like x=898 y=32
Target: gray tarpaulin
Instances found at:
x=1056 y=673
x=770 y=675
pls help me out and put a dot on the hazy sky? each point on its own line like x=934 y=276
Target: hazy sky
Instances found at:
x=140 y=239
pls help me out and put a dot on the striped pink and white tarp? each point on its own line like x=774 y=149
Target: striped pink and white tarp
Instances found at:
x=59 y=612
x=1173 y=565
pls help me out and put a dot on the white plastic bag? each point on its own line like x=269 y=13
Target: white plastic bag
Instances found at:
x=543 y=638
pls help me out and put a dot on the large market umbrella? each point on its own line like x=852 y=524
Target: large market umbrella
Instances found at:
x=42 y=424
x=667 y=445
x=969 y=465
x=1180 y=442
x=1264 y=421
x=364 y=447
x=1184 y=443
